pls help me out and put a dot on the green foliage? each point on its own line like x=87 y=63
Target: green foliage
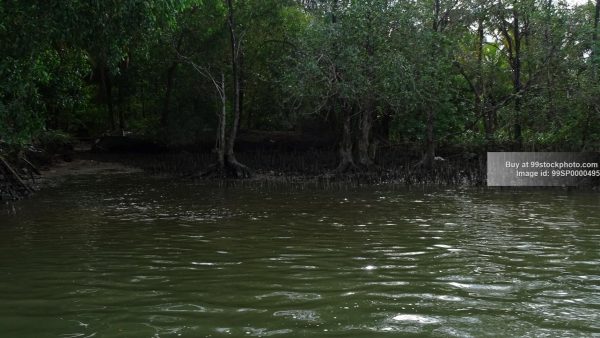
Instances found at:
x=86 y=67
x=54 y=138
x=19 y=100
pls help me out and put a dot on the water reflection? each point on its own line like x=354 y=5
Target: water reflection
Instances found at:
x=146 y=257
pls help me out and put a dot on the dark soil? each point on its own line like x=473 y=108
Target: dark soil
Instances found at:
x=272 y=157
x=293 y=157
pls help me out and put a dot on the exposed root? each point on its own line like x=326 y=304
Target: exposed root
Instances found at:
x=368 y=166
x=346 y=167
x=350 y=167
x=11 y=182
x=429 y=163
x=32 y=167
x=229 y=169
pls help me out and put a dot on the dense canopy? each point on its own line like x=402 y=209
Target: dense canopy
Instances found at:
x=431 y=73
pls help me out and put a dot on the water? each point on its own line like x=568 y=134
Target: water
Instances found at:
x=132 y=256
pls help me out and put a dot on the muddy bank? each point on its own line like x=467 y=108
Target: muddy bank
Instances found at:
x=279 y=158
x=289 y=156
x=17 y=181
x=62 y=170
x=393 y=166
x=21 y=166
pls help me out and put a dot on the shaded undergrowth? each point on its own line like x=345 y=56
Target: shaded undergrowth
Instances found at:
x=393 y=166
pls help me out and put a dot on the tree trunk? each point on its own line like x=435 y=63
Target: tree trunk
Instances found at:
x=236 y=81
x=122 y=92
x=366 y=123
x=366 y=118
x=345 y=150
x=550 y=86
x=242 y=90
x=595 y=46
x=340 y=108
x=164 y=118
x=220 y=148
x=595 y=61
x=234 y=168
x=107 y=95
x=436 y=15
x=517 y=79
x=429 y=157
x=488 y=125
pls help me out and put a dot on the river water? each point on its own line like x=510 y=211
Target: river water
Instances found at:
x=134 y=256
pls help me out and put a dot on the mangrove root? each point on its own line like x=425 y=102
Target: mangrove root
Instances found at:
x=9 y=173
x=229 y=169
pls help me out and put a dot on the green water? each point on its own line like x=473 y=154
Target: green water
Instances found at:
x=132 y=256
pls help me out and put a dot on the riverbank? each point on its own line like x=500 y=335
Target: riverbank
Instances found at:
x=274 y=159
x=394 y=165
x=29 y=170
x=61 y=170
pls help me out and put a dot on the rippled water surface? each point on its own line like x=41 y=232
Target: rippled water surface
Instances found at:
x=131 y=256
